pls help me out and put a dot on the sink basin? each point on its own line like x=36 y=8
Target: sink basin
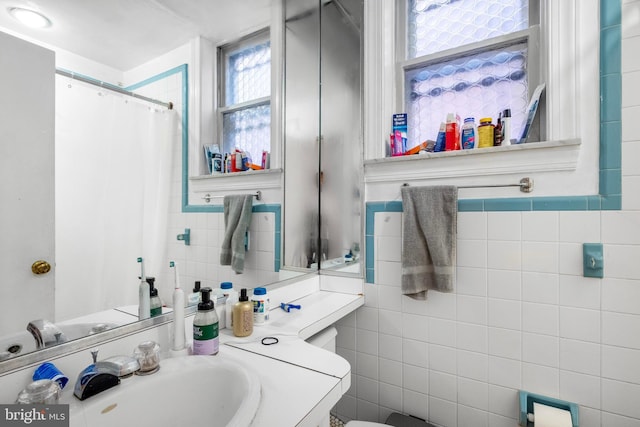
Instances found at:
x=186 y=391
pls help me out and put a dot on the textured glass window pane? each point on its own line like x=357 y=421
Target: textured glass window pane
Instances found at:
x=436 y=25
x=248 y=130
x=479 y=85
x=248 y=74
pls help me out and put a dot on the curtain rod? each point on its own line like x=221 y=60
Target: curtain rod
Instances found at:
x=526 y=185
x=109 y=86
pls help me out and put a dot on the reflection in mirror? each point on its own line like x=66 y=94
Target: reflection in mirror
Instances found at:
x=341 y=134
x=109 y=209
x=302 y=68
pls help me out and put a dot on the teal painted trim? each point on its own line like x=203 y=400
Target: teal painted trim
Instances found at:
x=611 y=203
x=610 y=147
x=572 y=203
x=471 y=205
x=157 y=77
x=513 y=204
x=611 y=51
x=610 y=14
x=594 y=203
x=611 y=96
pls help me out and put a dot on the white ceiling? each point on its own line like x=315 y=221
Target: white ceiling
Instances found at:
x=126 y=33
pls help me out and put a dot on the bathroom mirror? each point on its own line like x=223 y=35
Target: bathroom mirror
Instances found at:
x=337 y=185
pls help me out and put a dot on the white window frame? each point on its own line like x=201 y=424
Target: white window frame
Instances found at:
x=569 y=65
x=531 y=35
x=255 y=38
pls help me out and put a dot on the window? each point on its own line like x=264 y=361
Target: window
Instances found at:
x=473 y=58
x=245 y=89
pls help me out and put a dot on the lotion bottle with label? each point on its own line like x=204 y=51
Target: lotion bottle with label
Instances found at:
x=243 y=315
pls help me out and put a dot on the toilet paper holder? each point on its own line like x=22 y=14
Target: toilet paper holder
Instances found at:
x=528 y=399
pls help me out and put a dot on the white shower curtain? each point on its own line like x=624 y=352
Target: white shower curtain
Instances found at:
x=113 y=174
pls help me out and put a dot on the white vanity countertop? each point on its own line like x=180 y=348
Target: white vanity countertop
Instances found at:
x=300 y=382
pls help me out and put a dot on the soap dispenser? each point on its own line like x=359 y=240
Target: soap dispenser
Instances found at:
x=155 y=301
x=205 y=326
x=243 y=315
x=194 y=297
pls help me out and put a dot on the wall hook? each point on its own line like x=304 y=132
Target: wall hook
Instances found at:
x=186 y=236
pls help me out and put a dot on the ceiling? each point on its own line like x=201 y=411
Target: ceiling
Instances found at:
x=126 y=33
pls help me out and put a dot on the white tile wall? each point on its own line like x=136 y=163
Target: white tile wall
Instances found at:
x=521 y=315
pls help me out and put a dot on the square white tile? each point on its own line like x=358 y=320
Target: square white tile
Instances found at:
x=541 y=349
x=415 y=327
x=580 y=388
x=442 y=359
x=505 y=372
x=415 y=378
x=473 y=393
x=504 y=313
x=621 y=398
x=505 y=284
x=581 y=292
x=390 y=372
x=580 y=324
x=471 y=281
x=415 y=352
x=504 y=255
x=472 y=337
x=442 y=332
x=621 y=295
x=442 y=412
x=541 y=257
x=580 y=356
x=473 y=365
x=505 y=343
x=504 y=226
x=540 y=226
x=471 y=309
x=579 y=226
x=390 y=347
x=540 y=287
x=620 y=329
x=472 y=225
x=539 y=379
x=540 y=318
x=621 y=364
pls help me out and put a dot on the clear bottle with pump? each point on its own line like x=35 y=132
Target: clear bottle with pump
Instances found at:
x=155 y=303
x=231 y=296
x=206 y=340
x=243 y=315
x=194 y=297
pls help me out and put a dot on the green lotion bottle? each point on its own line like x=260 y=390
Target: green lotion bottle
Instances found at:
x=155 y=301
x=205 y=326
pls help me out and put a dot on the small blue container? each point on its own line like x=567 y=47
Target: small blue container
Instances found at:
x=49 y=371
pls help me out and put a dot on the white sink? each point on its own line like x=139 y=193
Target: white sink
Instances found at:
x=186 y=391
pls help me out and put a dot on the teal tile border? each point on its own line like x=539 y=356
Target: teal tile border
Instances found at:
x=610 y=175
x=186 y=207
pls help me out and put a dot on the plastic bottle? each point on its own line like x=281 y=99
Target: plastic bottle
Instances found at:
x=232 y=298
x=260 y=306
x=452 y=133
x=243 y=315
x=194 y=297
x=206 y=331
x=155 y=303
x=469 y=134
x=497 y=132
x=440 y=139
x=485 y=133
x=506 y=127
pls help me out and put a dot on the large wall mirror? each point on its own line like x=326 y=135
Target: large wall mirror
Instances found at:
x=321 y=159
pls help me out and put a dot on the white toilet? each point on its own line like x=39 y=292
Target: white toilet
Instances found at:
x=327 y=340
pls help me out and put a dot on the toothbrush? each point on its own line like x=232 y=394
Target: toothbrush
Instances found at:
x=179 y=339
x=144 y=297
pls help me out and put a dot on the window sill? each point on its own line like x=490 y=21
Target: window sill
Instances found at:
x=547 y=156
x=221 y=184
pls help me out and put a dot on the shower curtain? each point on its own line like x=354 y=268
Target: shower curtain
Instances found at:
x=113 y=178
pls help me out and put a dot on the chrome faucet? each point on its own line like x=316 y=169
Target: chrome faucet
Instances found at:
x=46 y=333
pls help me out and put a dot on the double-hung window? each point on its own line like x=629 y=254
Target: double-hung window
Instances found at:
x=471 y=58
x=244 y=95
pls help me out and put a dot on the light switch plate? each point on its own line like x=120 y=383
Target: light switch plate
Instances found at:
x=593 y=260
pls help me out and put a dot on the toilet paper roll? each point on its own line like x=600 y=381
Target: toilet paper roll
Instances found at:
x=548 y=416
